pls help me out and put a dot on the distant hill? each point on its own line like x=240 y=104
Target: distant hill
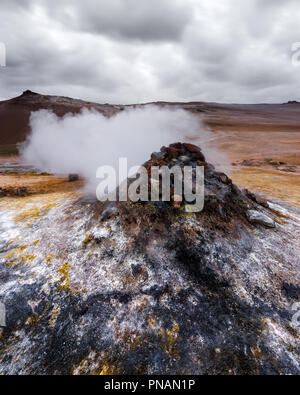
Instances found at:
x=15 y=113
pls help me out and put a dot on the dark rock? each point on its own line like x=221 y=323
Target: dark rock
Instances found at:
x=291 y=291
x=198 y=156
x=29 y=93
x=262 y=201
x=179 y=147
x=288 y=169
x=192 y=148
x=73 y=177
x=256 y=198
x=224 y=179
x=235 y=190
x=172 y=153
x=247 y=162
x=19 y=191
x=22 y=192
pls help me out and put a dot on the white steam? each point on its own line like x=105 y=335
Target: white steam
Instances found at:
x=81 y=143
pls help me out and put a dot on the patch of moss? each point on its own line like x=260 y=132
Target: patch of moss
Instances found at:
x=170 y=337
x=94 y=366
x=280 y=214
x=64 y=282
x=17 y=255
x=107 y=370
x=9 y=151
x=54 y=314
x=34 y=213
x=33 y=320
x=281 y=221
x=88 y=239
x=48 y=259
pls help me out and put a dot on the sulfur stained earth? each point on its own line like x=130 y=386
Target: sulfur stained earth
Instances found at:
x=252 y=136
x=92 y=288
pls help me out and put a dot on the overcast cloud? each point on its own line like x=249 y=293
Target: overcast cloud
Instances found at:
x=129 y=51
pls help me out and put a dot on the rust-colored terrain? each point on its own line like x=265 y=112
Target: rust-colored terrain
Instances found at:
x=263 y=144
x=261 y=141
x=131 y=288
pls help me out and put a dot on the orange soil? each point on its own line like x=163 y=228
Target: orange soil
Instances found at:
x=38 y=184
x=256 y=141
x=12 y=159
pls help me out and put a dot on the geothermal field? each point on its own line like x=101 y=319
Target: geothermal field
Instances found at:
x=124 y=287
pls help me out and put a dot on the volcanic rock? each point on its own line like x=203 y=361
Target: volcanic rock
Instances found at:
x=184 y=159
x=73 y=177
x=109 y=212
x=256 y=217
x=157 y=155
x=172 y=153
x=192 y=148
x=256 y=198
x=179 y=147
x=198 y=156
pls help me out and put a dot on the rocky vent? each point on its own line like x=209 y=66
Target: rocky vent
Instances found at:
x=222 y=198
x=147 y=288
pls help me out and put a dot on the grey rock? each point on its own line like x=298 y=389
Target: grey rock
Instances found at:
x=256 y=217
x=110 y=211
x=157 y=155
x=184 y=158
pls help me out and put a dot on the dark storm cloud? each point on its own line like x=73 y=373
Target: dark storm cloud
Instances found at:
x=125 y=51
x=130 y=19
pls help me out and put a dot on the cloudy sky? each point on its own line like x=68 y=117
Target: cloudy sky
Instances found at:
x=129 y=51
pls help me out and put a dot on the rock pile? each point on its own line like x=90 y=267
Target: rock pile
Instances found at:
x=268 y=163
x=18 y=191
x=176 y=154
x=222 y=199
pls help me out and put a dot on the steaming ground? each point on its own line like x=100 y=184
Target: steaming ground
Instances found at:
x=83 y=142
x=143 y=291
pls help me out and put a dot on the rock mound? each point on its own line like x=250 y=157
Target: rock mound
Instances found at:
x=146 y=288
x=223 y=200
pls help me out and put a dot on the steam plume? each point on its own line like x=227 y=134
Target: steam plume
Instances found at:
x=83 y=142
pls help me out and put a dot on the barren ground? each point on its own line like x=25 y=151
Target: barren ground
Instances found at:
x=261 y=142
x=258 y=138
